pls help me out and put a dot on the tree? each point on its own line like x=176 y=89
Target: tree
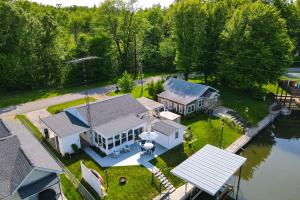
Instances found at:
x=154 y=88
x=255 y=46
x=190 y=20
x=117 y=18
x=126 y=83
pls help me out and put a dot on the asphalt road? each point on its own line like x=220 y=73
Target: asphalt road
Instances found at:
x=44 y=103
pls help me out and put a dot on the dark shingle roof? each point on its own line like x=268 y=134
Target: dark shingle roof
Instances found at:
x=37 y=186
x=64 y=124
x=4 y=132
x=182 y=91
x=14 y=165
x=166 y=127
x=107 y=110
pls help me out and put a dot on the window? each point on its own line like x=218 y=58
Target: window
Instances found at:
x=170 y=105
x=124 y=138
x=103 y=143
x=191 y=108
x=176 y=134
x=137 y=132
x=200 y=103
x=96 y=137
x=175 y=107
x=110 y=143
x=117 y=140
x=130 y=135
x=99 y=140
x=180 y=109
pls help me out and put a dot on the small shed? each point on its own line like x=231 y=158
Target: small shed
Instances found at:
x=210 y=169
x=170 y=133
x=170 y=116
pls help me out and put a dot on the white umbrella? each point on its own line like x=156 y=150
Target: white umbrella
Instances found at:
x=148 y=135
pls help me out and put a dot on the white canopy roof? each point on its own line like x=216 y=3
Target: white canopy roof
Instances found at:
x=209 y=168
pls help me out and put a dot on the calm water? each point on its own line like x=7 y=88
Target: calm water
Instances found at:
x=272 y=171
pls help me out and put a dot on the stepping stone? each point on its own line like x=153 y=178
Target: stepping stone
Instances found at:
x=172 y=190
x=158 y=174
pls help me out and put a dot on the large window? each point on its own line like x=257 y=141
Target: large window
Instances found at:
x=110 y=143
x=103 y=143
x=124 y=138
x=200 y=103
x=180 y=109
x=170 y=105
x=130 y=135
x=117 y=140
x=96 y=137
x=191 y=108
x=99 y=140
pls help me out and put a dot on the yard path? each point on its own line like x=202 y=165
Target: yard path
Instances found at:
x=44 y=103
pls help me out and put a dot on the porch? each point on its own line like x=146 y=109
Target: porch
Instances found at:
x=132 y=157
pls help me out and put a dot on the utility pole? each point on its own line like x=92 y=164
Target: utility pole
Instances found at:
x=83 y=61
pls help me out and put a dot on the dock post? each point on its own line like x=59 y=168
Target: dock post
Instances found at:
x=238 y=186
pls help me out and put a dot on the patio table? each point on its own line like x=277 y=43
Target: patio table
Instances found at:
x=148 y=145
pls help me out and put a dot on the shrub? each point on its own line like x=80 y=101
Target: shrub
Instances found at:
x=126 y=83
x=67 y=155
x=75 y=148
x=155 y=88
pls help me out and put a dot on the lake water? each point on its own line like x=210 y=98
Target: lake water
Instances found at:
x=272 y=170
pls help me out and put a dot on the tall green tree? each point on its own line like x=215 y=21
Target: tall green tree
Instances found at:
x=190 y=20
x=255 y=47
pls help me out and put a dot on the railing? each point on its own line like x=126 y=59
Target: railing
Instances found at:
x=81 y=189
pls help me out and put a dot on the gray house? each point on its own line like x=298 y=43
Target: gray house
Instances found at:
x=185 y=97
x=27 y=171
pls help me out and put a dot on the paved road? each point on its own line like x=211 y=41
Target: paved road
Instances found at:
x=44 y=103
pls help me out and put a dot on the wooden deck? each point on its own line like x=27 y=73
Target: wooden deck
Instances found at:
x=250 y=133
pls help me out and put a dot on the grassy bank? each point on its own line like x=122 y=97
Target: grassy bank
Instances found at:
x=60 y=107
x=137 y=92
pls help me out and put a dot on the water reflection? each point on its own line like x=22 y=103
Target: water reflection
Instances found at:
x=272 y=169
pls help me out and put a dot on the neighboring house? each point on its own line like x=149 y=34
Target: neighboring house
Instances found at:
x=170 y=134
x=27 y=171
x=184 y=97
x=153 y=107
x=116 y=122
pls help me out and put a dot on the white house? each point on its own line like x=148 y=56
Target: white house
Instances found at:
x=27 y=171
x=185 y=97
x=116 y=122
x=170 y=133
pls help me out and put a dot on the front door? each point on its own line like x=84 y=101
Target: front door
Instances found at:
x=175 y=107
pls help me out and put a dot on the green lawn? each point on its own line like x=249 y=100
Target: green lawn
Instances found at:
x=136 y=188
x=69 y=189
x=252 y=109
x=137 y=92
x=60 y=107
x=203 y=133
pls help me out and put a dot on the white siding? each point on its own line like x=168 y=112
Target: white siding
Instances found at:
x=66 y=142
x=170 y=141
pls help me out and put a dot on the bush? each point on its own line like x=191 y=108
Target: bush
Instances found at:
x=126 y=83
x=75 y=148
x=155 y=88
x=67 y=155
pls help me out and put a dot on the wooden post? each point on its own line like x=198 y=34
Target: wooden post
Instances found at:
x=277 y=91
x=238 y=186
x=291 y=99
x=185 y=187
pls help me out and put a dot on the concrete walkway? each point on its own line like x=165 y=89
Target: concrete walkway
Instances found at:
x=44 y=103
x=133 y=157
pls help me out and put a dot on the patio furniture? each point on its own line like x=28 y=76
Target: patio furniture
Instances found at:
x=148 y=145
x=127 y=148
x=116 y=154
x=152 y=150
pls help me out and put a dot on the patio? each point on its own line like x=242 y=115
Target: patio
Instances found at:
x=132 y=157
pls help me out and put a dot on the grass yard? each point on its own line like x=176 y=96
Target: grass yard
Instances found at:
x=137 y=92
x=60 y=107
x=203 y=134
x=139 y=178
x=244 y=103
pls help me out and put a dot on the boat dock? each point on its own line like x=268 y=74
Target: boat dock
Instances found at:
x=250 y=133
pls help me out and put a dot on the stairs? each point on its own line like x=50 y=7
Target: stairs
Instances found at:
x=163 y=180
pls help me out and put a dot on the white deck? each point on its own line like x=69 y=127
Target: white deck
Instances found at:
x=209 y=168
x=126 y=158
